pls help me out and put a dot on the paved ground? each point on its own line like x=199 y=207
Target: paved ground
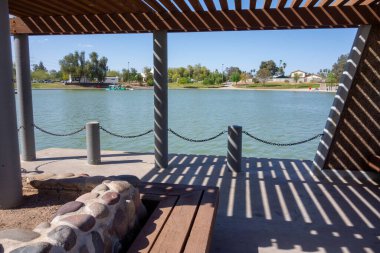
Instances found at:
x=271 y=206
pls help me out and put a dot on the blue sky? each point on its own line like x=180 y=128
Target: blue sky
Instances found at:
x=308 y=50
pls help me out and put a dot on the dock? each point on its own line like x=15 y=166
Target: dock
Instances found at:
x=273 y=205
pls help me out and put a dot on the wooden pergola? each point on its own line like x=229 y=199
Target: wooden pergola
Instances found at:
x=40 y=17
x=57 y=17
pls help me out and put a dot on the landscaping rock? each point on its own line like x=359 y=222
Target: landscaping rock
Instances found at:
x=98 y=210
x=17 y=234
x=84 y=249
x=120 y=223
x=97 y=241
x=111 y=198
x=82 y=221
x=100 y=188
x=41 y=247
x=64 y=236
x=64 y=175
x=119 y=186
x=69 y=207
x=42 y=226
x=87 y=196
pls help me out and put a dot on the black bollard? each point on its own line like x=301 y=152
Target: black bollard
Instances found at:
x=234 y=148
x=93 y=143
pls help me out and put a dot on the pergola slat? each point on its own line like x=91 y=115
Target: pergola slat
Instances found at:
x=238 y=5
x=210 y=5
x=223 y=5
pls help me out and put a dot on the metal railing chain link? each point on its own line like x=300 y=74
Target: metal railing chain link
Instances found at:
x=125 y=136
x=195 y=140
x=18 y=129
x=282 y=144
x=61 y=135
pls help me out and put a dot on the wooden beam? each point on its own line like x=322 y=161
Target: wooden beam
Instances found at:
x=176 y=21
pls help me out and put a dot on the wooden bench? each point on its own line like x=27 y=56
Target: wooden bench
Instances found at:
x=182 y=221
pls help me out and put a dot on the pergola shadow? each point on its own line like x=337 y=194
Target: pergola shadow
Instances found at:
x=278 y=204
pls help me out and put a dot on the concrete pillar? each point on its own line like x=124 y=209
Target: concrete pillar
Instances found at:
x=234 y=148
x=10 y=173
x=93 y=143
x=160 y=62
x=24 y=90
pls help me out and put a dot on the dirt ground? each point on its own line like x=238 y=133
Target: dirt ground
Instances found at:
x=36 y=208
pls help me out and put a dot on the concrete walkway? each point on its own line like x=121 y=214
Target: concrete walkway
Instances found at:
x=271 y=206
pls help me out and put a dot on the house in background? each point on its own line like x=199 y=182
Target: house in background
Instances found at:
x=111 y=79
x=313 y=78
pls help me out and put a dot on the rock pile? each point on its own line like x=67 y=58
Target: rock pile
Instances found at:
x=95 y=222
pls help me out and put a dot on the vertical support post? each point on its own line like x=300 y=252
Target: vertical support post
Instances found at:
x=24 y=89
x=348 y=80
x=10 y=173
x=234 y=148
x=160 y=62
x=93 y=143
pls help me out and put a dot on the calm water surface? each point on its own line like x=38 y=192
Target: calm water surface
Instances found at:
x=277 y=116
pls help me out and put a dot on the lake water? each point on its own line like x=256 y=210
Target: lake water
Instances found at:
x=277 y=116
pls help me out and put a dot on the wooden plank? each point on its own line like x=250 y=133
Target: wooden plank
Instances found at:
x=252 y=4
x=223 y=5
x=201 y=231
x=210 y=5
x=154 y=225
x=267 y=4
x=196 y=5
x=238 y=5
x=174 y=234
x=374 y=163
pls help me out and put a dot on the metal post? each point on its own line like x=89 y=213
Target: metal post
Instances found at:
x=24 y=90
x=160 y=62
x=10 y=173
x=93 y=143
x=234 y=148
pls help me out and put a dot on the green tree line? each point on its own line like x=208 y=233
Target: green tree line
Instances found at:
x=95 y=68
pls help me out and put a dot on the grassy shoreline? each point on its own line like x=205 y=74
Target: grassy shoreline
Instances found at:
x=268 y=86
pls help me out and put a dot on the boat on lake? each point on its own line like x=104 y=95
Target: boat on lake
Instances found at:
x=115 y=87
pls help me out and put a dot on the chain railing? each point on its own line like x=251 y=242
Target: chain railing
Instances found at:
x=196 y=140
x=281 y=144
x=125 y=136
x=19 y=128
x=60 y=135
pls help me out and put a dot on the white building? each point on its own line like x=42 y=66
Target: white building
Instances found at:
x=313 y=78
x=300 y=73
x=111 y=79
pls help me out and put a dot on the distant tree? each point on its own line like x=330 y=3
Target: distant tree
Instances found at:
x=40 y=75
x=296 y=77
x=69 y=64
x=55 y=75
x=331 y=78
x=39 y=66
x=263 y=75
x=102 y=69
x=323 y=73
x=235 y=77
x=281 y=68
x=231 y=71
x=113 y=73
x=269 y=65
x=148 y=76
x=244 y=76
x=338 y=67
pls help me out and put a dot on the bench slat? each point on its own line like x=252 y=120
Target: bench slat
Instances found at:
x=200 y=235
x=174 y=234
x=145 y=240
